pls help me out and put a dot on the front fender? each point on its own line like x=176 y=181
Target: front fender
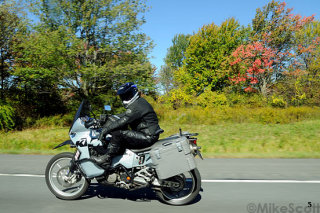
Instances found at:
x=65 y=143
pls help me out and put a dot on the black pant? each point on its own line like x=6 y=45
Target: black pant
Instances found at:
x=130 y=139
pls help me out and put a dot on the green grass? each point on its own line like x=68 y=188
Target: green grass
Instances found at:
x=252 y=140
x=230 y=140
x=33 y=141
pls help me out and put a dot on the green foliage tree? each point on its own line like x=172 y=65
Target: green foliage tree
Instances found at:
x=173 y=61
x=176 y=53
x=42 y=58
x=101 y=46
x=10 y=25
x=206 y=63
x=166 y=78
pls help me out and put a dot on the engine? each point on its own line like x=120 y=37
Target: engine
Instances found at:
x=123 y=178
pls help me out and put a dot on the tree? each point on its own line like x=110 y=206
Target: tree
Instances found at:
x=166 y=78
x=275 y=26
x=176 y=53
x=207 y=56
x=304 y=88
x=253 y=63
x=270 y=51
x=102 y=43
x=10 y=25
x=173 y=61
x=307 y=49
x=42 y=58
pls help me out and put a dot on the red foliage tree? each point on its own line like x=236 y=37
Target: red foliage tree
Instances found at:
x=269 y=52
x=255 y=66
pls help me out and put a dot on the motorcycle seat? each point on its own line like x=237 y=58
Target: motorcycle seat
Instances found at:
x=158 y=132
x=150 y=147
x=141 y=150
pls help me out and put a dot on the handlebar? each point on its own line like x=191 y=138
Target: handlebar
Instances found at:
x=90 y=123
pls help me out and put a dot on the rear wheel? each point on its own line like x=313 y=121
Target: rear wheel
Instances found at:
x=61 y=181
x=180 y=189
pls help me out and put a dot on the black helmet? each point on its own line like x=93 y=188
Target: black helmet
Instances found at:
x=127 y=91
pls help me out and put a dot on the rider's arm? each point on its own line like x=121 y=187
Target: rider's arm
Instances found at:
x=126 y=118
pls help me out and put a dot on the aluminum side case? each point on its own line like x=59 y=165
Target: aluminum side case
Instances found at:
x=172 y=156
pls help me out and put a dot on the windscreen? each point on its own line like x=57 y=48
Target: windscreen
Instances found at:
x=82 y=111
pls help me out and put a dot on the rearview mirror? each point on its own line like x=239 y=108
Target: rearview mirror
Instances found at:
x=107 y=108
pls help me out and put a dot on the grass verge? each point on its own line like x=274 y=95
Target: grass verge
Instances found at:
x=252 y=140
x=229 y=140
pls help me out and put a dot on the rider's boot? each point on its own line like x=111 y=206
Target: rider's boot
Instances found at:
x=103 y=160
x=106 y=159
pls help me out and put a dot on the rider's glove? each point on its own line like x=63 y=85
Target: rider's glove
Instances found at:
x=91 y=124
x=103 y=133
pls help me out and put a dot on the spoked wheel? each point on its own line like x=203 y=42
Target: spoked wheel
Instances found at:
x=61 y=181
x=180 y=189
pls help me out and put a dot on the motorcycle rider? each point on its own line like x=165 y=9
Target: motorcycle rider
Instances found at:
x=139 y=116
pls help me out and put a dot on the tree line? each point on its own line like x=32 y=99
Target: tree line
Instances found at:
x=74 y=50
x=275 y=58
x=85 y=49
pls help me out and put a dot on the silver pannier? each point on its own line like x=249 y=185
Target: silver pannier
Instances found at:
x=172 y=156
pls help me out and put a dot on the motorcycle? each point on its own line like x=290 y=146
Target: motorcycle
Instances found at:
x=167 y=167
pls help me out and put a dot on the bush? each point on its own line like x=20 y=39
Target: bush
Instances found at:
x=177 y=98
x=278 y=102
x=216 y=115
x=54 y=121
x=7 y=115
x=212 y=99
x=50 y=121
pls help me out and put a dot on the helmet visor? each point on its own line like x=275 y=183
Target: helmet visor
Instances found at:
x=126 y=96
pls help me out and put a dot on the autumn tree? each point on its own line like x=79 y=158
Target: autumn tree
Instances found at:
x=304 y=88
x=308 y=50
x=253 y=63
x=275 y=26
x=269 y=54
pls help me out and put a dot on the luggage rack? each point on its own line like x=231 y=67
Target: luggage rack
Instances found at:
x=185 y=134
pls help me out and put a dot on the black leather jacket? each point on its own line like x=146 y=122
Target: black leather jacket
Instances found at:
x=140 y=117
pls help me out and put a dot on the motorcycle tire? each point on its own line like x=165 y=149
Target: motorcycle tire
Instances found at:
x=164 y=194
x=56 y=173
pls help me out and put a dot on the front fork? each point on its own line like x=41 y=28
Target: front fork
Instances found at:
x=73 y=165
x=73 y=173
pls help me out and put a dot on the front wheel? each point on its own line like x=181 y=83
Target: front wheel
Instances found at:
x=63 y=183
x=180 y=189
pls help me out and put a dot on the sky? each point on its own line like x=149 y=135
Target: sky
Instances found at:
x=166 y=18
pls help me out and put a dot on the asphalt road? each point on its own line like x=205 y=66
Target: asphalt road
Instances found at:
x=229 y=185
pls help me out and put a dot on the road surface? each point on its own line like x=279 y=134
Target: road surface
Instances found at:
x=229 y=185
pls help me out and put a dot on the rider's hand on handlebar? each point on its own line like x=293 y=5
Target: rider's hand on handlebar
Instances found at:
x=93 y=123
x=103 y=134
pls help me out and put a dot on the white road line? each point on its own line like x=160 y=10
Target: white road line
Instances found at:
x=22 y=175
x=261 y=181
x=203 y=181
